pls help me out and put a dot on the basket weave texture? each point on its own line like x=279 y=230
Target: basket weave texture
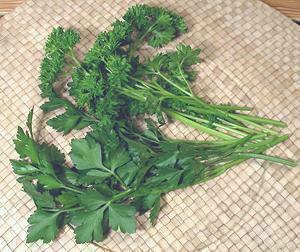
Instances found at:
x=251 y=56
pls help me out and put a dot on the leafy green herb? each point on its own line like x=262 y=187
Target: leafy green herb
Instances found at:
x=119 y=169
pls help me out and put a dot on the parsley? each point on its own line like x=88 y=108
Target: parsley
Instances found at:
x=118 y=169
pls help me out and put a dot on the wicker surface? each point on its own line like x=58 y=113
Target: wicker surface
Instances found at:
x=251 y=57
x=290 y=8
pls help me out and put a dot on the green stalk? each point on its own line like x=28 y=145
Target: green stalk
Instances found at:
x=185 y=81
x=117 y=177
x=258 y=126
x=77 y=63
x=208 y=109
x=121 y=195
x=245 y=129
x=71 y=189
x=174 y=84
x=263 y=120
x=198 y=126
x=283 y=161
x=214 y=124
x=220 y=169
x=248 y=119
x=230 y=107
x=59 y=211
x=132 y=94
x=216 y=110
x=268 y=143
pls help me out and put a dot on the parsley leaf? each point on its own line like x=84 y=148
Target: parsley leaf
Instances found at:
x=49 y=182
x=41 y=199
x=86 y=154
x=89 y=226
x=44 y=226
x=117 y=157
x=68 y=121
x=121 y=217
x=25 y=146
x=155 y=209
x=23 y=167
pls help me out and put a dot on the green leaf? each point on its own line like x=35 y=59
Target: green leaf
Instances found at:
x=43 y=225
x=89 y=226
x=64 y=122
x=164 y=174
x=91 y=199
x=86 y=154
x=122 y=217
x=26 y=146
x=146 y=202
x=155 y=209
x=84 y=122
x=167 y=159
x=137 y=149
x=87 y=180
x=117 y=158
x=41 y=199
x=44 y=164
x=49 y=182
x=23 y=167
x=55 y=103
x=25 y=178
x=52 y=153
x=68 y=199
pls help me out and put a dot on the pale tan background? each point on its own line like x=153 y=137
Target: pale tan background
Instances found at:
x=251 y=56
x=290 y=8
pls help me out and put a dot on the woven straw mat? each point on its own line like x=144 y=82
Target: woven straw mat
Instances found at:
x=251 y=56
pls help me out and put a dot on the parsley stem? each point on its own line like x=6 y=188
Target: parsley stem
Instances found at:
x=263 y=120
x=198 y=126
x=121 y=195
x=235 y=126
x=58 y=210
x=184 y=79
x=218 y=170
x=174 y=84
x=73 y=209
x=214 y=124
x=117 y=177
x=119 y=180
x=230 y=107
x=71 y=189
x=75 y=60
x=247 y=121
x=283 y=161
